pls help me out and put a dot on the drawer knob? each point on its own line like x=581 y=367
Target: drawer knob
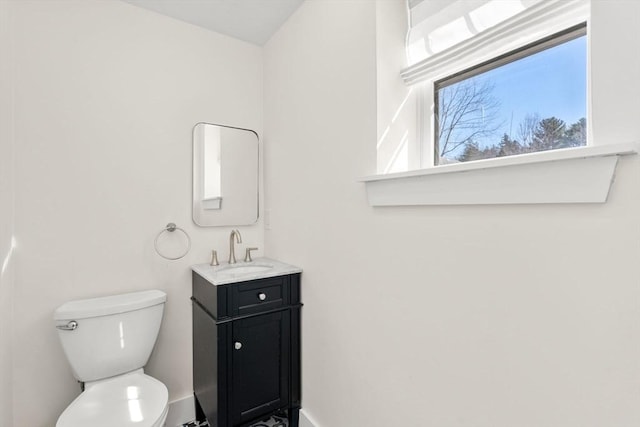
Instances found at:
x=262 y=296
x=237 y=345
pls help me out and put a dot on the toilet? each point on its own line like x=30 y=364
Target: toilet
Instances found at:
x=107 y=342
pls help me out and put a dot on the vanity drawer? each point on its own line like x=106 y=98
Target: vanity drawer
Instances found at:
x=259 y=295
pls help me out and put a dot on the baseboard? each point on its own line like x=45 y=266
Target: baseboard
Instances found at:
x=306 y=420
x=181 y=411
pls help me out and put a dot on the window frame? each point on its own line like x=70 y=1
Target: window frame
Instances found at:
x=548 y=42
x=581 y=174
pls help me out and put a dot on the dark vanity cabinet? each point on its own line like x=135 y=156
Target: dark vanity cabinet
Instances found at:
x=246 y=350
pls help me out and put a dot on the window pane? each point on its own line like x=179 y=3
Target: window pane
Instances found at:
x=534 y=103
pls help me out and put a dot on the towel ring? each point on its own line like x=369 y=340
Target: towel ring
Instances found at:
x=171 y=227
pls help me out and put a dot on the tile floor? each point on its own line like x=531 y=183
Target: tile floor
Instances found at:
x=271 y=422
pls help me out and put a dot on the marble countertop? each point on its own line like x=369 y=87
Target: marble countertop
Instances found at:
x=259 y=268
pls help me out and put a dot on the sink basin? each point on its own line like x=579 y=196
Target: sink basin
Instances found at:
x=245 y=269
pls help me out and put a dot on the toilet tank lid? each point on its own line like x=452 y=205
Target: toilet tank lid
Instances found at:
x=103 y=306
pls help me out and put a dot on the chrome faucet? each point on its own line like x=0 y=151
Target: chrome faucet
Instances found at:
x=232 y=249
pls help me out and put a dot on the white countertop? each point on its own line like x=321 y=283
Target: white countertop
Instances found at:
x=241 y=271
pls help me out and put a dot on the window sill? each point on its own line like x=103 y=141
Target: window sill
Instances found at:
x=573 y=175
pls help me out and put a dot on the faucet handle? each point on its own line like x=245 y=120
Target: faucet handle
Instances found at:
x=214 y=258
x=247 y=254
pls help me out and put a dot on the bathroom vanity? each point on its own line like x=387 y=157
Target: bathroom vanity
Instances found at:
x=246 y=342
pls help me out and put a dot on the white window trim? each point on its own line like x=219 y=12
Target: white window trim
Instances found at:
x=543 y=19
x=571 y=175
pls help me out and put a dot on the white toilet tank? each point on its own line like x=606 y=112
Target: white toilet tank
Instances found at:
x=109 y=336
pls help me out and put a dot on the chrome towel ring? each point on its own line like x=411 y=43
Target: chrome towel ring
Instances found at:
x=171 y=227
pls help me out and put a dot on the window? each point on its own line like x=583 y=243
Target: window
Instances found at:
x=528 y=100
x=506 y=55
x=487 y=43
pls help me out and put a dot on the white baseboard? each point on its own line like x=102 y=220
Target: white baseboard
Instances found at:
x=181 y=411
x=306 y=420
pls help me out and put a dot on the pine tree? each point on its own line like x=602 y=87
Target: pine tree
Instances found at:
x=509 y=147
x=471 y=152
x=576 y=135
x=549 y=134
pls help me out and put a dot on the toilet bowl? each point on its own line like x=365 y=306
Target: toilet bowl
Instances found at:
x=133 y=399
x=107 y=342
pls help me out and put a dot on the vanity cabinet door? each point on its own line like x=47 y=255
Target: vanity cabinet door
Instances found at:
x=260 y=365
x=210 y=372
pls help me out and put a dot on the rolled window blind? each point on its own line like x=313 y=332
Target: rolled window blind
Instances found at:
x=439 y=24
x=461 y=31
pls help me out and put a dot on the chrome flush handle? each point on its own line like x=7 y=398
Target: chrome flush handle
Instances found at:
x=71 y=326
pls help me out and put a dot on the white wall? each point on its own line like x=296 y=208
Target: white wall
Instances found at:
x=398 y=147
x=106 y=98
x=448 y=316
x=6 y=219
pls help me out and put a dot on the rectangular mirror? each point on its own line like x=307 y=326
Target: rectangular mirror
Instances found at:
x=225 y=175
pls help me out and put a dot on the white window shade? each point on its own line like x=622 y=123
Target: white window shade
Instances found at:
x=447 y=37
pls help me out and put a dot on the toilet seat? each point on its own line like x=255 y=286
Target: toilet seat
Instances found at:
x=132 y=399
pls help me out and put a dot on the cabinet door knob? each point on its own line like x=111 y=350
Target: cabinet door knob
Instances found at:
x=262 y=296
x=238 y=345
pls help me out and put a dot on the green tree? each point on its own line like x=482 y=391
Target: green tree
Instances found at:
x=471 y=152
x=576 y=135
x=509 y=147
x=549 y=134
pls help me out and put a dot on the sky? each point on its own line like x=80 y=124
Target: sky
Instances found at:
x=550 y=83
